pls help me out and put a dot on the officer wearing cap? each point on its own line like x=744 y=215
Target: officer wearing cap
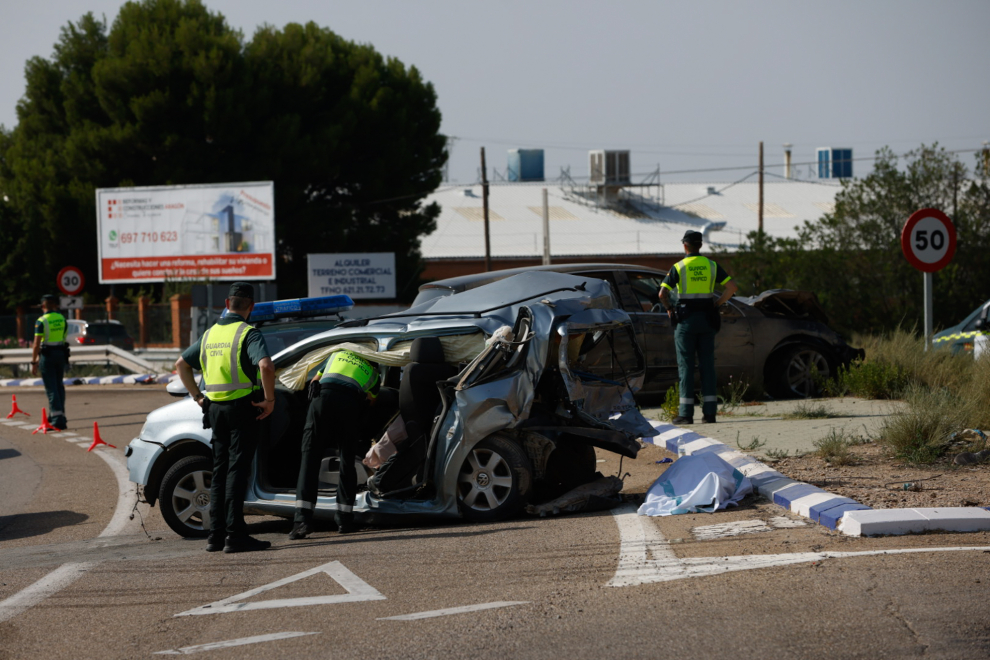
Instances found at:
x=239 y=393
x=52 y=354
x=696 y=318
x=341 y=392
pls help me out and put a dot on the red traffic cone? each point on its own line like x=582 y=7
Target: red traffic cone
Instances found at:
x=14 y=409
x=45 y=426
x=97 y=440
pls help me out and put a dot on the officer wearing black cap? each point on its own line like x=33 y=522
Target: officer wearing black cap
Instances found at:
x=51 y=353
x=697 y=320
x=239 y=393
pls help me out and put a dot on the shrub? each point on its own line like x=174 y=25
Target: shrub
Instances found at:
x=834 y=448
x=920 y=433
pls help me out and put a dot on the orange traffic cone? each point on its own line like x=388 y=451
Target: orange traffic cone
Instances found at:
x=45 y=426
x=97 y=440
x=14 y=409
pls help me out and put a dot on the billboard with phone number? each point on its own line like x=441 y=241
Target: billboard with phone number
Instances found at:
x=218 y=232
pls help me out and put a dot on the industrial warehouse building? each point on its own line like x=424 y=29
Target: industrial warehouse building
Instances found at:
x=608 y=217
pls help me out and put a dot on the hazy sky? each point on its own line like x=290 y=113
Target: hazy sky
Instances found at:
x=682 y=85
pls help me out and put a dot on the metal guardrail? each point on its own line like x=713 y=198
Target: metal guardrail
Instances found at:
x=118 y=356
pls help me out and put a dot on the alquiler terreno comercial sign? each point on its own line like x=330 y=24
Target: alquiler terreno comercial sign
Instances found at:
x=220 y=231
x=358 y=275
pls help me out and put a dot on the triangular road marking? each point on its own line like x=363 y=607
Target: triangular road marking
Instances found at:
x=357 y=590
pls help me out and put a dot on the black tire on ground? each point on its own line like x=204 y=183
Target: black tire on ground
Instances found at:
x=790 y=371
x=494 y=481
x=184 y=498
x=570 y=465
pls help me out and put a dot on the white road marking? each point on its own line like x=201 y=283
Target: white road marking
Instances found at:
x=186 y=650
x=783 y=522
x=454 y=610
x=357 y=590
x=66 y=574
x=645 y=556
x=725 y=530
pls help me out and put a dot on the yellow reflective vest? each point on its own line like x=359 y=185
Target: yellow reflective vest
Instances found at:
x=220 y=359
x=349 y=368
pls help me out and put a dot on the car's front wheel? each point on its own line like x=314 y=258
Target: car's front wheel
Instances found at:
x=798 y=371
x=184 y=498
x=494 y=480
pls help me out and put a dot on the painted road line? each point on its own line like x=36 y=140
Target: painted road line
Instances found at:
x=66 y=574
x=783 y=522
x=213 y=646
x=357 y=590
x=646 y=557
x=454 y=610
x=729 y=529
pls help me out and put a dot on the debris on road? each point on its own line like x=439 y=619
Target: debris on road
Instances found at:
x=598 y=495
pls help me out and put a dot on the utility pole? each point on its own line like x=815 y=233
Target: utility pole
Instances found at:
x=761 y=191
x=484 y=203
x=546 y=230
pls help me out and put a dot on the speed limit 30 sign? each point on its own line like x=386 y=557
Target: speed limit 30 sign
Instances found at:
x=70 y=280
x=928 y=240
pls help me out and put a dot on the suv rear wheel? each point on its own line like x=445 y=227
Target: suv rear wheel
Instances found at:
x=184 y=498
x=494 y=480
x=796 y=371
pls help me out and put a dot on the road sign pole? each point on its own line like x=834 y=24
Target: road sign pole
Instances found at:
x=928 y=310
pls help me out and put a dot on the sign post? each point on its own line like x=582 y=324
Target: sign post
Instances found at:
x=928 y=240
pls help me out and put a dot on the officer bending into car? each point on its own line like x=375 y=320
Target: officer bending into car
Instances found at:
x=233 y=357
x=340 y=396
x=52 y=354
x=696 y=320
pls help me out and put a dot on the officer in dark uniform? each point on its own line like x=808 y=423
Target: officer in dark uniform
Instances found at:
x=52 y=353
x=348 y=385
x=234 y=358
x=697 y=320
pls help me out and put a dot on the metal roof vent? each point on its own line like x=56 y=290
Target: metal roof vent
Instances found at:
x=468 y=192
x=608 y=167
x=712 y=191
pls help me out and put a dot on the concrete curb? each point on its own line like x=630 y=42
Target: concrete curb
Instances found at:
x=822 y=507
x=132 y=379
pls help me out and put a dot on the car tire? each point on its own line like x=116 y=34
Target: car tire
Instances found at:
x=184 y=498
x=789 y=373
x=494 y=480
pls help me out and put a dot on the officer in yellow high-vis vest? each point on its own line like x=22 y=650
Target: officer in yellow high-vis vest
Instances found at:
x=239 y=389
x=696 y=317
x=51 y=353
x=348 y=385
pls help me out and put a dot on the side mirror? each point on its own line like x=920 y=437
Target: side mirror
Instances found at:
x=176 y=388
x=981 y=324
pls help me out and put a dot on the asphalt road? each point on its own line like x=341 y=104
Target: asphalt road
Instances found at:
x=581 y=586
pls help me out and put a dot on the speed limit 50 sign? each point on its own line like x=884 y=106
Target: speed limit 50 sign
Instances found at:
x=928 y=240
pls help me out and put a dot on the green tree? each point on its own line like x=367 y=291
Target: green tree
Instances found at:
x=170 y=95
x=852 y=257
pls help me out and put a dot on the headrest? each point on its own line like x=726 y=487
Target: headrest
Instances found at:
x=427 y=350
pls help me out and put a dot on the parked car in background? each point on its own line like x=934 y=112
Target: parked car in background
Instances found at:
x=73 y=330
x=778 y=340
x=100 y=333
x=967 y=334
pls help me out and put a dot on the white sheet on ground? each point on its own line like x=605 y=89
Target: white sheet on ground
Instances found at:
x=696 y=483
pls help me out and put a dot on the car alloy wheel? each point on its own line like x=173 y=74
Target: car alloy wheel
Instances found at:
x=185 y=496
x=494 y=479
x=802 y=368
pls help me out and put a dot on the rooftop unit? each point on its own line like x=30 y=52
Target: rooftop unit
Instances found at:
x=609 y=168
x=525 y=165
x=835 y=163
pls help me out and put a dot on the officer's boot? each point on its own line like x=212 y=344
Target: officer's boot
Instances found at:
x=345 y=522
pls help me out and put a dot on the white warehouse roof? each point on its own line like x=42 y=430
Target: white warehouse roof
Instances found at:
x=639 y=226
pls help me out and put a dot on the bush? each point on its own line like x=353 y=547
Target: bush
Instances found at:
x=671 y=404
x=921 y=433
x=834 y=448
x=873 y=380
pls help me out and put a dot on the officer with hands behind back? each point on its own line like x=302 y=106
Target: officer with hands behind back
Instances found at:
x=341 y=394
x=233 y=357
x=52 y=353
x=696 y=319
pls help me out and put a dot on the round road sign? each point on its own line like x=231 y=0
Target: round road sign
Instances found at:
x=70 y=280
x=928 y=240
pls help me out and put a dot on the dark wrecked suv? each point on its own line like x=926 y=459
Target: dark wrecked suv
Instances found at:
x=506 y=391
x=779 y=340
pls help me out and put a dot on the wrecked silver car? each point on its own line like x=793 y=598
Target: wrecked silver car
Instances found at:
x=505 y=391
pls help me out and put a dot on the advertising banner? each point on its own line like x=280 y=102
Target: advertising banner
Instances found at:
x=358 y=275
x=223 y=231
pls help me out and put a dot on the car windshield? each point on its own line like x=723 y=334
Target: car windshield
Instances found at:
x=427 y=295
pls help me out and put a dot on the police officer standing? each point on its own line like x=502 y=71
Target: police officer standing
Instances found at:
x=348 y=385
x=52 y=353
x=696 y=319
x=233 y=357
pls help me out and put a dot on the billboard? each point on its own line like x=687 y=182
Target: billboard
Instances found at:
x=358 y=275
x=223 y=231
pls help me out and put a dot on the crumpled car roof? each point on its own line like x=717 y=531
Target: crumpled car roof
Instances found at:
x=788 y=303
